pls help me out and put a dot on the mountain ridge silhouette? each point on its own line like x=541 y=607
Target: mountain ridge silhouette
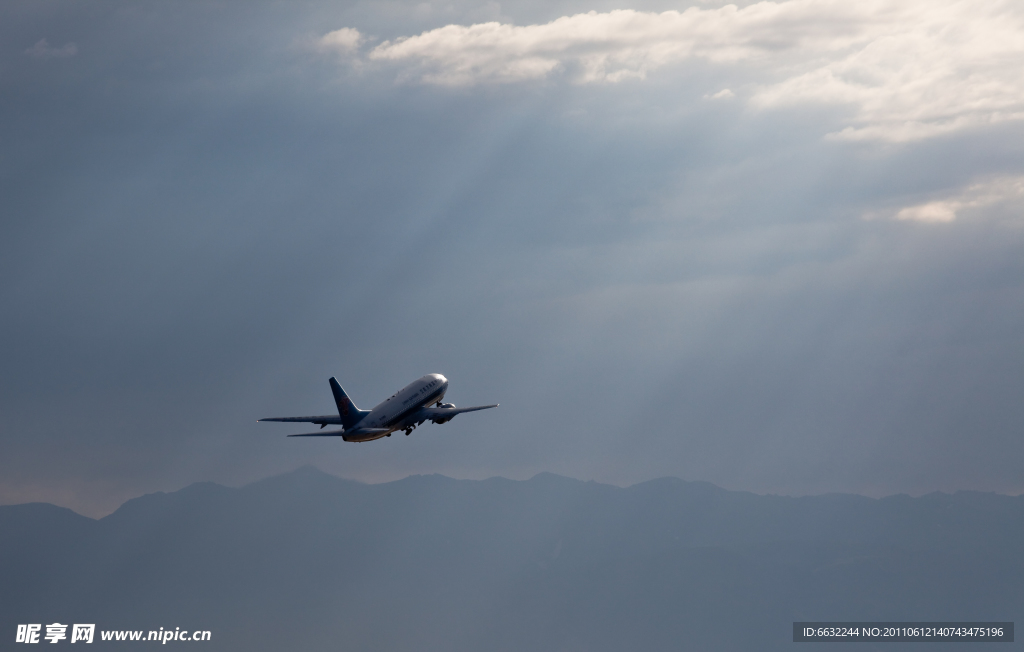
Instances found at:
x=308 y=560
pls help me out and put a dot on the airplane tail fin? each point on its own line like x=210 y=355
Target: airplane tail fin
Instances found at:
x=347 y=410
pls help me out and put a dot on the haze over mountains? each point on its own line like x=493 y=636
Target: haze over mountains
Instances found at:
x=310 y=561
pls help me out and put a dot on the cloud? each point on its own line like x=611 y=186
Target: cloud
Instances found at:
x=42 y=50
x=936 y=211
x=1001 y=191
x=345 y=40
x=937 y=68
x=724 y=94
x=613 y=46
x=909 y=70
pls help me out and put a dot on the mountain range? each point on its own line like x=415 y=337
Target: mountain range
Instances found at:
x=310 y=561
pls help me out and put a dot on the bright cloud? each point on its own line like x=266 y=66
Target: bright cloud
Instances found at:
x=936 y=211
x=724 y=94
x=1002 y=191
x=342 y=40
x=909 y=70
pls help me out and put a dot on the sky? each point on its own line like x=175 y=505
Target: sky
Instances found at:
x=775 y=246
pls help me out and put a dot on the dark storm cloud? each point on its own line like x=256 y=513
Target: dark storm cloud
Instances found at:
x=205 y=217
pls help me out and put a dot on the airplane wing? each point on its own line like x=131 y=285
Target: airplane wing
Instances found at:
x=355 y=432
x=443 y=414
x=324 y=419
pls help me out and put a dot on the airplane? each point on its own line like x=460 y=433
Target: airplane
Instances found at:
x=403 y=410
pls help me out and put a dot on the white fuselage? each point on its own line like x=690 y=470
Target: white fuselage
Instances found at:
x=399 y=410
x=417 y=402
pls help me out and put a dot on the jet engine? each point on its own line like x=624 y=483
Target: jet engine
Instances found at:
x=449 y=406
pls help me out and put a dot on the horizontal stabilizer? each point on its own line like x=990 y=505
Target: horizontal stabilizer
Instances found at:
x=328 y=433
x=324 y=419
